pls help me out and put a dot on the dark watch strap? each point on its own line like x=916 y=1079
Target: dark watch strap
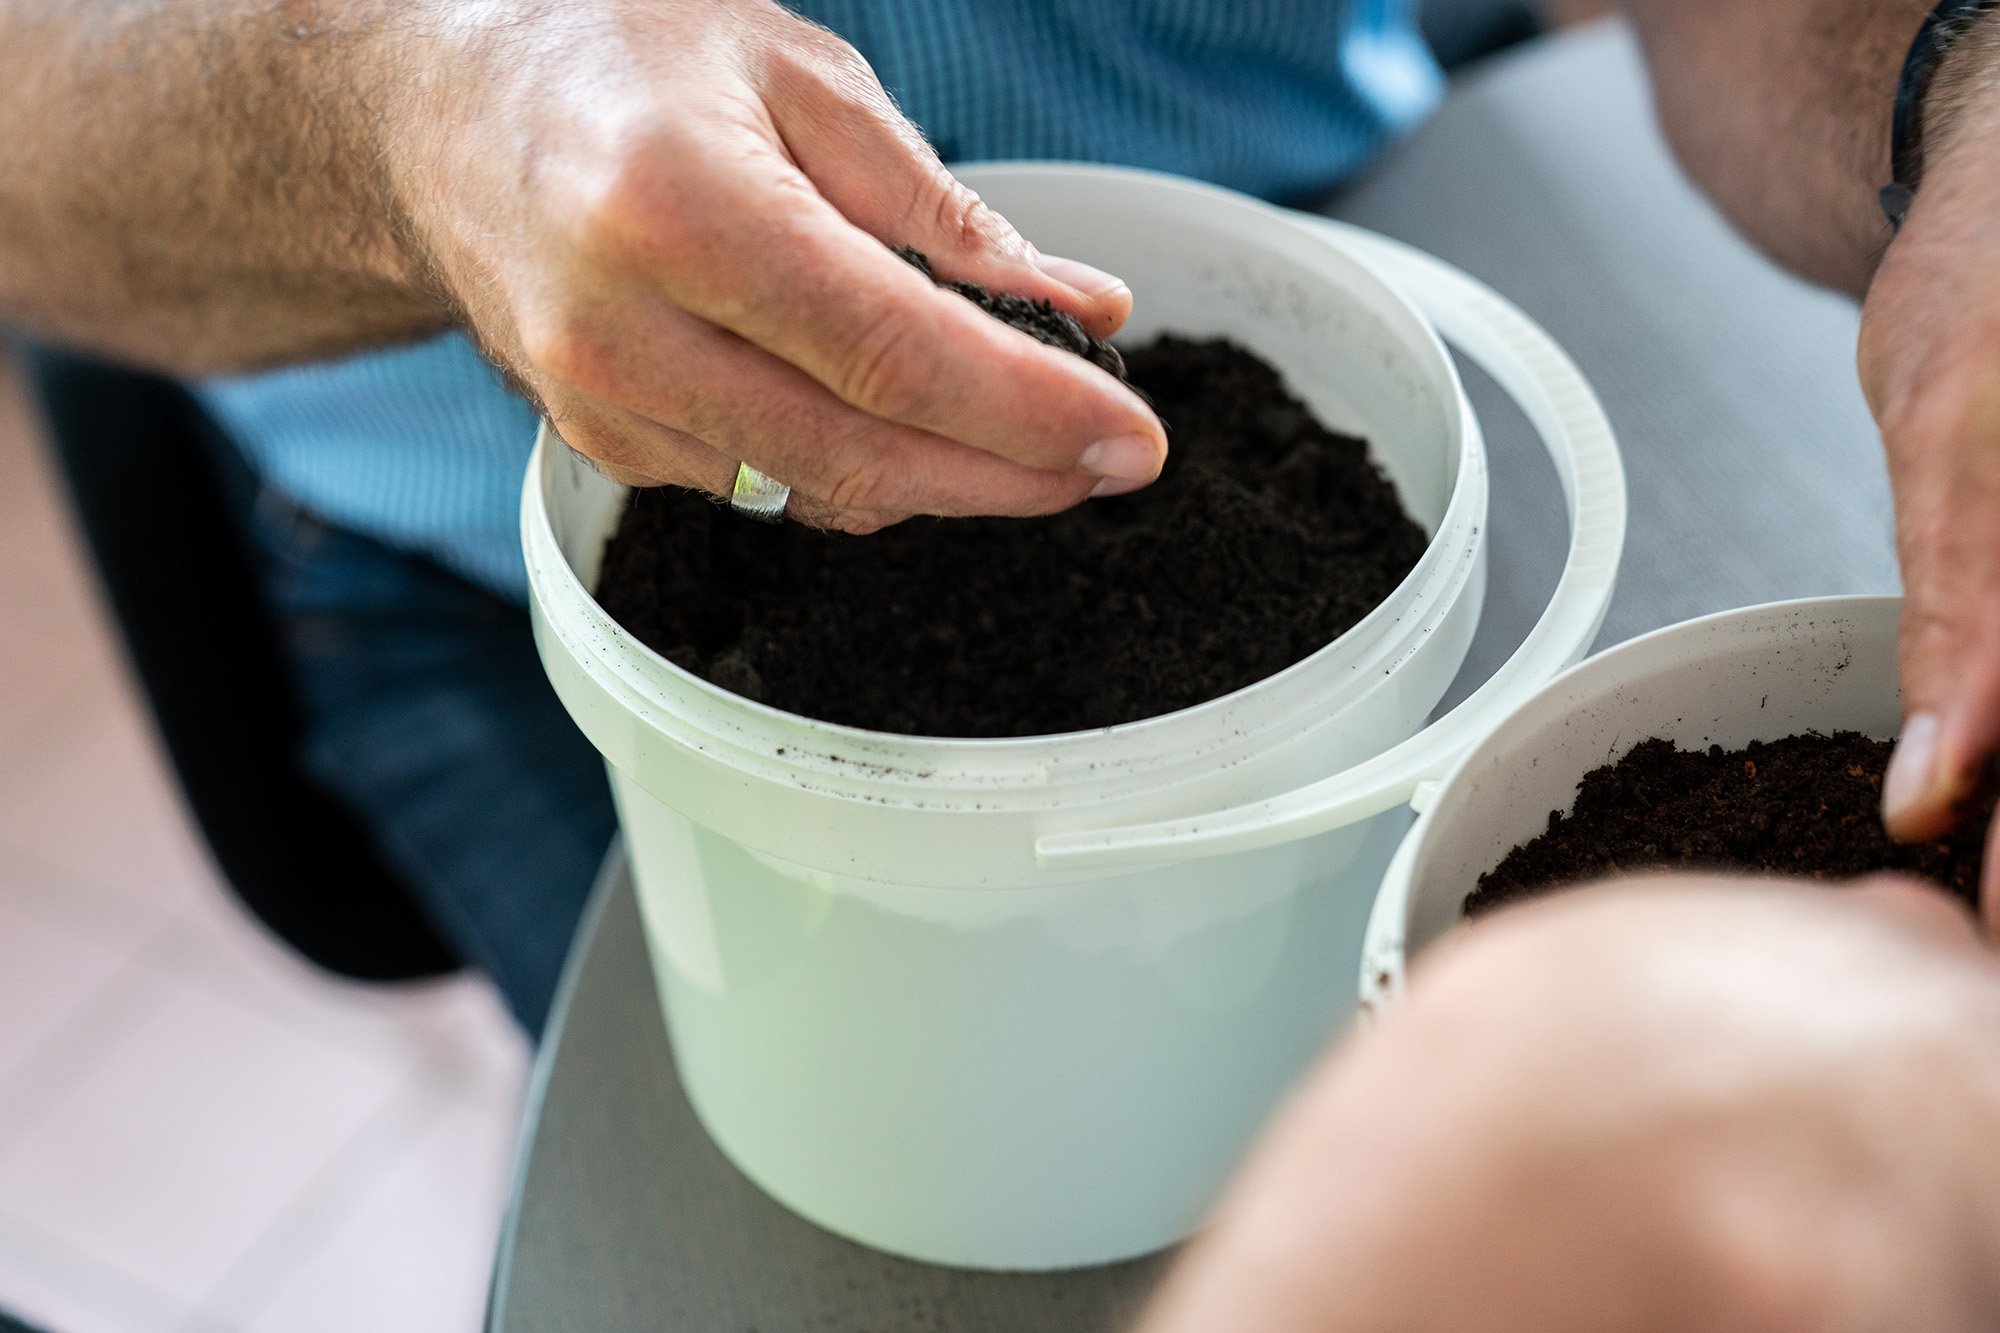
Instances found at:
x=1906 y=142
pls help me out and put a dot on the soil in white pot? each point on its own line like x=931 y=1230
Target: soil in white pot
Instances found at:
x=1806 y=805
x=1266 y=536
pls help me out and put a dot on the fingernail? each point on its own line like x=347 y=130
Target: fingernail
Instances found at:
x=1912 y=769
x=1075 y=273
x=1133 y=458
x=1115 y=486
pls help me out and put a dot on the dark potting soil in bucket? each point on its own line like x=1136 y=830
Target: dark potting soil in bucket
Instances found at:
x=1266 y=536
x=1805 y=805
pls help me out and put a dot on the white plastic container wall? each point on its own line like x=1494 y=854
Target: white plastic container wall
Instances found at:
x=1761 y=673
x=894 y=1003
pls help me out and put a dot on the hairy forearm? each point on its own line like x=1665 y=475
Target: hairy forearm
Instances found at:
x=200 y=185
x=1780 y=110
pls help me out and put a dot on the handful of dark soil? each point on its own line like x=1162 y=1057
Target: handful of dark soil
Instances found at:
x=1038 y=319
x=1805 y=805
x=1266 y=536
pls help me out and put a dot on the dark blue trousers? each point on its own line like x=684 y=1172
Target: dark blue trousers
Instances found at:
x=429 y=716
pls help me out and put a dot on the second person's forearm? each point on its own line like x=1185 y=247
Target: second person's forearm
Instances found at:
x=1780 y=110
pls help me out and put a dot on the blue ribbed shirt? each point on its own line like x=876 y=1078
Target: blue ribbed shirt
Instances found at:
x=422 y=448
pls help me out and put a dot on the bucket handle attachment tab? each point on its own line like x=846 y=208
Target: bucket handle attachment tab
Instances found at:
x=1557 y=400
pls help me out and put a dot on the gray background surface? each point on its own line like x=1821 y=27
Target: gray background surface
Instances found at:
x=1755 y=474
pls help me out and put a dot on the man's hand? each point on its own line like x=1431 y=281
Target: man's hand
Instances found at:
x=1930 y=363
x=1665 y=1105
x=666 y=220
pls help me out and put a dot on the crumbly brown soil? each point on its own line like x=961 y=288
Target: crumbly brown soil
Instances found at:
x=1805 y=805
x=1038 y=319
x=1266 y=536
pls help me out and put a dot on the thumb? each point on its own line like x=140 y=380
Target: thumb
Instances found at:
x=1948 y=539
x=1927 y=366
x=1944 y=460
x=1951 y=723
x=875 y=167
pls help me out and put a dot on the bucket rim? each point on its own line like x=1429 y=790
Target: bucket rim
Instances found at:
x=894 y=767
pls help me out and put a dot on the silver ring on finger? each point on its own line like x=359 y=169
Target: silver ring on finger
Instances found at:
x=758 y=496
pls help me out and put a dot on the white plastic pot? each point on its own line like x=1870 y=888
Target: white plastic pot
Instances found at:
x=1758 y=674
x=1022 y=1003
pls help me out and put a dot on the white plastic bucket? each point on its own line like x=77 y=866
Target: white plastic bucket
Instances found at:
x=1022 y=1003
x=1758 y=674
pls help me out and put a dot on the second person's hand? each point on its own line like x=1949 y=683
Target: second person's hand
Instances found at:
x=1930 y=364
x=1678 y=1103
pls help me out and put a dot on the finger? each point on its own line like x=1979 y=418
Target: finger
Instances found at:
x=875 y=167
x=601 y=431
x=1928 y=326
x=739 y=403
x=1950 y=655
x=768 y=259
x=808 y=512
x=633 y=451
x=1948 y=509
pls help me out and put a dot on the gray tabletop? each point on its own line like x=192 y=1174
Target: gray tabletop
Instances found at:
x=1755 y=475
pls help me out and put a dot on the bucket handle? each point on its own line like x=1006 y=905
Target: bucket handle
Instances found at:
x=1559 y=403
